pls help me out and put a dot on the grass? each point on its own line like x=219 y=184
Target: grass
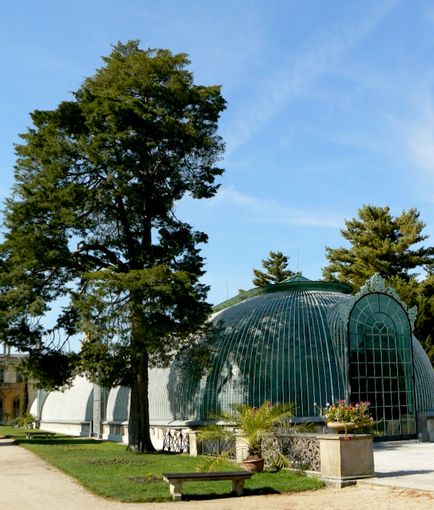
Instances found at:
x=110 y=470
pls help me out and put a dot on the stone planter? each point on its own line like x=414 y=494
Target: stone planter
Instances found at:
x=346 y=458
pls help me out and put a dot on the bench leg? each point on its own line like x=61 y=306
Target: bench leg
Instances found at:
x=237 y=487
x=175 y=491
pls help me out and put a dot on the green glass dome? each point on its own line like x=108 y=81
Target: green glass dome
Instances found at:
x=308 y=343
x=274 y=344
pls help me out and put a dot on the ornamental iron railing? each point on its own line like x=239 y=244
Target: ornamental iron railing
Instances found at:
x=176 y=440
x=215 y=447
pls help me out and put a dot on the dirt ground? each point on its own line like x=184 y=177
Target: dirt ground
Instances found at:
x=28 y=483
x=357 y=498
x=350 y=498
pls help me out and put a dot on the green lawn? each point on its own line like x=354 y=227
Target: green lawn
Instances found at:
x=109 y=470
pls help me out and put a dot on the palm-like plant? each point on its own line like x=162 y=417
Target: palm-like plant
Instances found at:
x=252 y=422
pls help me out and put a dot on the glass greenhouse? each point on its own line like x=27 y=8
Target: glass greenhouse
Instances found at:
x=309 y=343
x=301 y=341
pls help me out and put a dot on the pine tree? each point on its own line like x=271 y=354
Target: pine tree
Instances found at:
x=379 y=243
x=275 y=270
x=390 y=246
x=424 y=328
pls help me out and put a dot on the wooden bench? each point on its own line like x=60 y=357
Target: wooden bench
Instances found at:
x=38 y=434
x=176 y=479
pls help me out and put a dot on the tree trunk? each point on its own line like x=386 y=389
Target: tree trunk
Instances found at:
x=25 y=397
x=139 y=439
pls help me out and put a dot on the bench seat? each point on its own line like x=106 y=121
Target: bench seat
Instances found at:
x=39 y=434
x=176 y=480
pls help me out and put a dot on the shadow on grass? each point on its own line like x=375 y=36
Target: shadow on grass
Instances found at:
x=247 y=492
x=57 y=441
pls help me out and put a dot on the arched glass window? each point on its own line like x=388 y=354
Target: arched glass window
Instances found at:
x=381 y=364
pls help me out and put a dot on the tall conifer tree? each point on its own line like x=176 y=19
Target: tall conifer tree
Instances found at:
x=379 y=243
x=391 y=246
x=91 y=225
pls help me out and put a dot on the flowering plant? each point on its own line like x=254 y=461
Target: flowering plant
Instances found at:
x=348 y=413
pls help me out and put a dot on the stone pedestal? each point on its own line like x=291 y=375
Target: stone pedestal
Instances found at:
x=426 y=426
x=345 y=458
x=97 y=412
x=195 y=448
x=241 y=448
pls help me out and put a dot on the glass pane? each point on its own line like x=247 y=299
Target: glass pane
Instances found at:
x=383 y=374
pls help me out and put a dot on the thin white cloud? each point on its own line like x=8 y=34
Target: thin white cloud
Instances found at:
x=257 y=210
x=419 y=143
x=296 y=77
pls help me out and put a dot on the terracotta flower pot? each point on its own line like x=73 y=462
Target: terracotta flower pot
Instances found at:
x=339 y=426
x=254 y=465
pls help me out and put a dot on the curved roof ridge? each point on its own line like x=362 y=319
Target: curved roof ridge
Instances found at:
x=297 y=277
x=286 y=285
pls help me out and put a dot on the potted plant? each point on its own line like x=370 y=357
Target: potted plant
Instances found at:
x=346 y=457
x=343 y=417
x=252 y=423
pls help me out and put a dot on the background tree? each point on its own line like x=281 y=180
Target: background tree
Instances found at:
x=380 y=243
x=275 y=270
x=91 y=230
x=388 y=245
x=424 y=328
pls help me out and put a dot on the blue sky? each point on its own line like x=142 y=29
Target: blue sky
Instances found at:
x=330 y=105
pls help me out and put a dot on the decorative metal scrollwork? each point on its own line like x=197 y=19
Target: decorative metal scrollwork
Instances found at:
x=300 y=450
x=217 y=446
x=176 y=440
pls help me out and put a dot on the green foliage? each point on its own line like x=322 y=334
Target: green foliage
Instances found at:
x=25 y=421
x=275 y=270
x=253 y=422
x=424 y=328
x=256 y=421
x=91 y=224
x=379 y=243
x=215 y=462
x=388 y=245
x=51 y=369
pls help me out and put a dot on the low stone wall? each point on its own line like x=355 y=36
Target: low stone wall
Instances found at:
x=301 y=450
x=163 y=437
x=116 y=431
x=69 y=428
